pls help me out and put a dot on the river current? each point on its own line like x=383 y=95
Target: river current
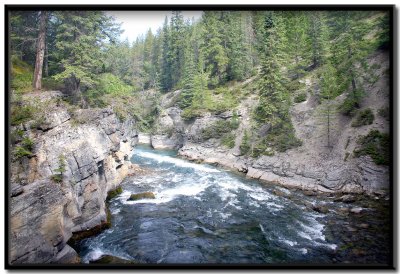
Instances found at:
x=205 y=214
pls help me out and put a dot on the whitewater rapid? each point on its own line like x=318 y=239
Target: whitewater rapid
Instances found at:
x=203 y=214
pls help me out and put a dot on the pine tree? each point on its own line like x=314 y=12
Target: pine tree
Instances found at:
x=274 y=100
x=238 y=47
x=80 y=61
x=156 y=61
x=189 y=73
x=177 y=46
x=23 y=35
x=215 y=56
x=139 y=76
x=166 y=66
x=119 y=62
x=318 y=37
x=348 y=48
x=329 y=91
x=297 y=44
x=148 y=70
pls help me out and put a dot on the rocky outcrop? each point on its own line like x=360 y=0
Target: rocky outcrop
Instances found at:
x=169 y=130
x=95 y=149
x=351 y=178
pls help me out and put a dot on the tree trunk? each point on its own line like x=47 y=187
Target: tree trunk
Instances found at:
x=37 y=76
x=46 y=61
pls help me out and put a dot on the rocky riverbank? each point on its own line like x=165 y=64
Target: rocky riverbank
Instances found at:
x=78 y=155
x=360 y=176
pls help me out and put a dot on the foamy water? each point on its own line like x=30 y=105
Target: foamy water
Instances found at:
x=175 y=161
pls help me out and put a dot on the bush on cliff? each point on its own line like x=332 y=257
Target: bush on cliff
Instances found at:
x=25 y=148
x=219 y=128
x=376 y=145
x=58 y=177
x=363 y=118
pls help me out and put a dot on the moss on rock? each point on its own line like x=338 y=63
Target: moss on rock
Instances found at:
x=114 y=193
x=143 y=195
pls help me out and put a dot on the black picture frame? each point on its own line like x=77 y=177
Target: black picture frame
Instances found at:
x=391 y=9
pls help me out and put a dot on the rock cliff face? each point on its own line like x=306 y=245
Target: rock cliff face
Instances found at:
x=95 y=148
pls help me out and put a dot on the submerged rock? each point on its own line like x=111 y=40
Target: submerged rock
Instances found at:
x=143 y=195
x=321 y=209
x=346 y=199
x=356 y=210
x=279 y=193
x=108 y=259
x=309 y=193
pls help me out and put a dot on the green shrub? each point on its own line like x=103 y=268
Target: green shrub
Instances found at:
x=27 y=143
x=351 y=103
x=107 y=84
x=384 y=113
x=16 y=136
x=24 y=149
x=50 y=83
x=348 y=107
x=364 y=117
x=221 y=90
x=190 y=113
x=229 y=101
x=216 y=101
x=295 y=85
x=279 y=138
x=300 y=97
x=219 y=128
x=376 y=145
x=228 y=140
x=20 y=152
x=287 y=141
x=110 y=84
x=38 y=122
x=21 y=114
x=57 y=178
x=262 y=148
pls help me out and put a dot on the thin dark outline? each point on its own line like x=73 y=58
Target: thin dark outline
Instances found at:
x=393 y=132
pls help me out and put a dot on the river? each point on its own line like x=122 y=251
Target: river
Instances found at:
x=205 y=214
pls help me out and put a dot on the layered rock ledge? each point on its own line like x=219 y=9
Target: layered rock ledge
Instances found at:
x=95 y=148
x=361 y=176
